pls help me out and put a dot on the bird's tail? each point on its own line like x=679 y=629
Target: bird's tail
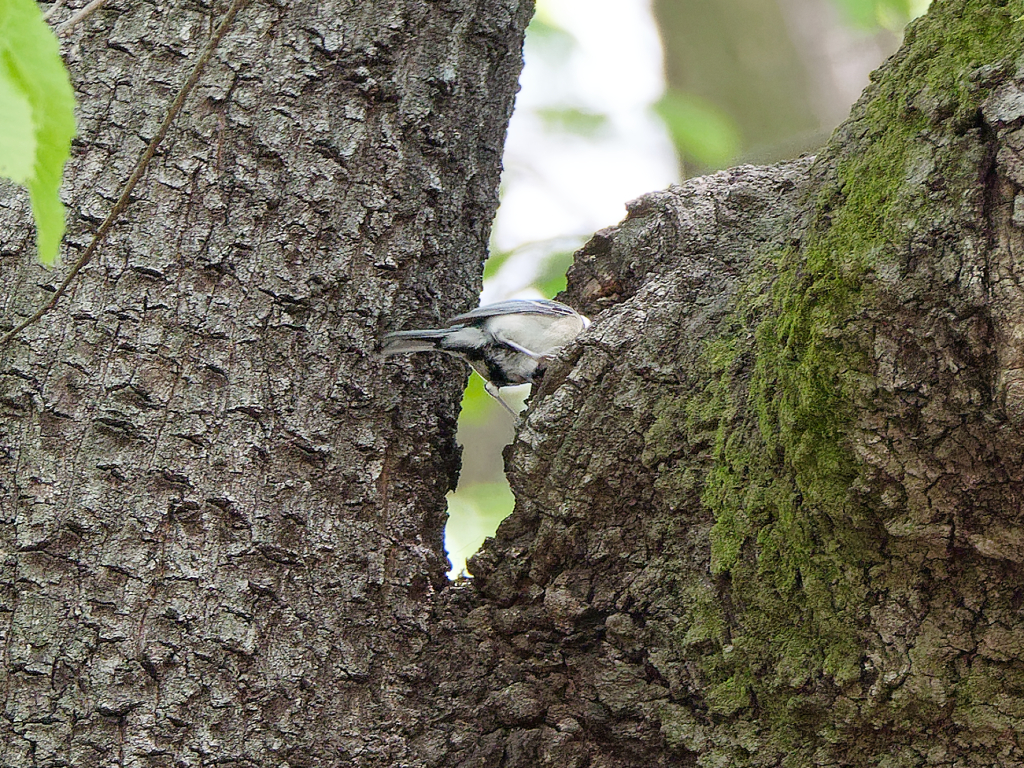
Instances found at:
x=412 y=341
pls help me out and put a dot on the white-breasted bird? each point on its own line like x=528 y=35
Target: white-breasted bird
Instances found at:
x=506 y=343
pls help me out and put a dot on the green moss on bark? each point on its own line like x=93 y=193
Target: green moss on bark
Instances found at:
x=796 y=532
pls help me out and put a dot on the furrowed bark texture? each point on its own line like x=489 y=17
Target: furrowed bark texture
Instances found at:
x=769 y=506
x=220 y=513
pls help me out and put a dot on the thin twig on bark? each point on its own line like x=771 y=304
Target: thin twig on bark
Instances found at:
x=57 y=5
x=140 y=168
x=80 y=16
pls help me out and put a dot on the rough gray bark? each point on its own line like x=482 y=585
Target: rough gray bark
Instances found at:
x=220 y=512
x=768 y=508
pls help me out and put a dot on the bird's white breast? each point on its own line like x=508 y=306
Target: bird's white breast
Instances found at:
x=541 y=334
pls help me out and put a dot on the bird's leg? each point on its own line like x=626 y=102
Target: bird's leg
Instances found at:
x=492 y=390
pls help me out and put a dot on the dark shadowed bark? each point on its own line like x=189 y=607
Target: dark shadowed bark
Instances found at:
x=220 y=512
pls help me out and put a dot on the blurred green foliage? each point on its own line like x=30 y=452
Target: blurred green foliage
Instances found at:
x=573 y=121
x=476 y=403
x=698 y=128
x=547 y=37
x=723 y=123
x=495 y=262
x=474 y=513
x=881 y=14
x=550 y=280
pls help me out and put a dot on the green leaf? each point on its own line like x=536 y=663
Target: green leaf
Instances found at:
x=17 y=132
x=699 y=128
x=38 y=106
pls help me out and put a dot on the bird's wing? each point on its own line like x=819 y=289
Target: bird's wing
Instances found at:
x=516 y=306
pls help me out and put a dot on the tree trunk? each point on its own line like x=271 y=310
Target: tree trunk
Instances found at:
x=769 y=507
x=220 y=513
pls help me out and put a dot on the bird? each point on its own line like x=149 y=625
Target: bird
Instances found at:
x=506 y=343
